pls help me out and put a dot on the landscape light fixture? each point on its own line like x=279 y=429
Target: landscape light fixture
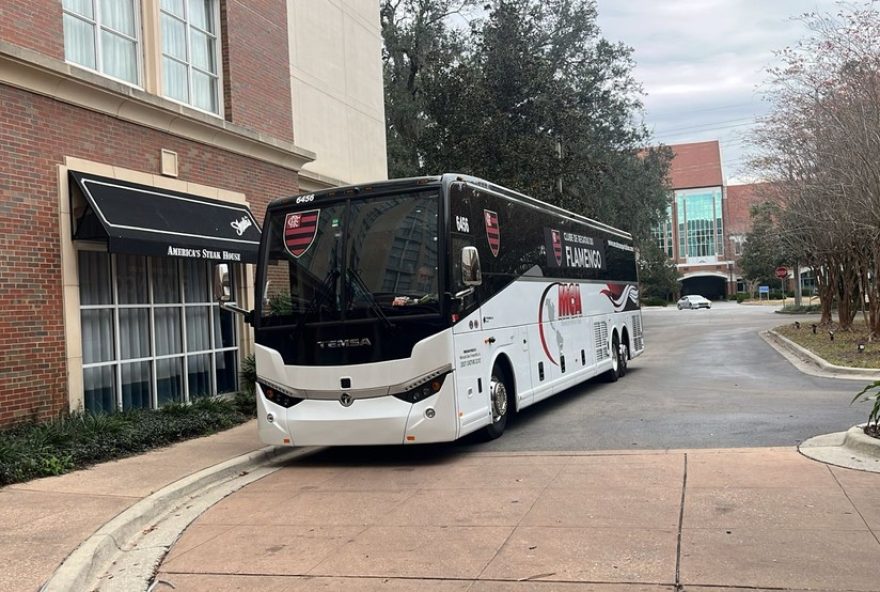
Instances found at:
x=814 y=326
x=861 y=348
x=831 y=335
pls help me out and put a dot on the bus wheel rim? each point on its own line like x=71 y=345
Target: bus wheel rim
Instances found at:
x=499 y=399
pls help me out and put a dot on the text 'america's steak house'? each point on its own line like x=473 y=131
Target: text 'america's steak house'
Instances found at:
x=203 y=254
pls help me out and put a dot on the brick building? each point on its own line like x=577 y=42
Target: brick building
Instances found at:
x=140 y=142
x=706 y=221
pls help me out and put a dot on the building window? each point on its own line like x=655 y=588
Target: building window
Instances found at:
x=663 y=233
x=190 y=71
x=150 y=333
x=103 y=35
x=700 y=226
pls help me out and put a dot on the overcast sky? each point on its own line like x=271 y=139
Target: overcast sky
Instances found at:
x=702 y=63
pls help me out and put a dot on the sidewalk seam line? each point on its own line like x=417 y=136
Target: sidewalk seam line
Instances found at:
x=514 y=529
x=678 y=585
x=852 y=503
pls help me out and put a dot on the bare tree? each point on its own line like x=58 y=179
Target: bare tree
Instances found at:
x=820 y=146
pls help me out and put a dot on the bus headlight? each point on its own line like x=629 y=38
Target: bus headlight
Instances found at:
x=278 y=397
x=422 y=391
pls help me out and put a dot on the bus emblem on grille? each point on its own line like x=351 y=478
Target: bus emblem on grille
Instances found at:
x=345 y=400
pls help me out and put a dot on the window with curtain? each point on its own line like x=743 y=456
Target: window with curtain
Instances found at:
x=103 y=35
x=151 y=334
x=190 y=71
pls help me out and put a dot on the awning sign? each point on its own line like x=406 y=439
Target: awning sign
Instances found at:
x=143 y=220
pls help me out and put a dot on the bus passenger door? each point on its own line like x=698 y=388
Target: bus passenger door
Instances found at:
x=470 y=351
x=471 y=358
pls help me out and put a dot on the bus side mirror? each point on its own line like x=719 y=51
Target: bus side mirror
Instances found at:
x=222 y=287
x=471 y=275
x=223 y=292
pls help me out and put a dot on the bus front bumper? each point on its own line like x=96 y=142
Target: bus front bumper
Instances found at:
x=379 y=420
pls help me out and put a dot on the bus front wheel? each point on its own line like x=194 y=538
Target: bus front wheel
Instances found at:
x=499 y=404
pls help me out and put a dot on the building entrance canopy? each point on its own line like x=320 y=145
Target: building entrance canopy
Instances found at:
x=142 y=220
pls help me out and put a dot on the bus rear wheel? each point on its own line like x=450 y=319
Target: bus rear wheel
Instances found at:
x=499 y=404
x=619 y=359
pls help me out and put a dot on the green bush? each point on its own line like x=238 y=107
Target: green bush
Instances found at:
x=79 y=440
x=742 y=297
x=248 y=374
x=246 y=403
x=803 y=309
x=653 y=301
x=873 y=398
x=246 y=400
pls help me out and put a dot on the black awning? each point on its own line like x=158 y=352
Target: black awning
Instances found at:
x=143 y=220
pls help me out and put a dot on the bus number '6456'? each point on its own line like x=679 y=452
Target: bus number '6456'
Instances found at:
x=461 y=224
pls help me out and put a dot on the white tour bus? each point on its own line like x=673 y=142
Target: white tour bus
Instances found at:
x=421 y=310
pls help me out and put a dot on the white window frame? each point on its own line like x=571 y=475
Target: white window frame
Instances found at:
x=117 y=362
x=97 y=26
x=218 y=57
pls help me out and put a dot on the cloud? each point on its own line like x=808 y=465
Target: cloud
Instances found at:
x=702 y=63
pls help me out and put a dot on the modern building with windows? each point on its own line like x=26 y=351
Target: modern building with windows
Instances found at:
x=706 y=221
x=140 y=142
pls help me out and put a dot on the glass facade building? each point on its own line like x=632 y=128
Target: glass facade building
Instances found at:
x=699 y=225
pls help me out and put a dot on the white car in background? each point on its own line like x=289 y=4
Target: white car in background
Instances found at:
x=693 y=301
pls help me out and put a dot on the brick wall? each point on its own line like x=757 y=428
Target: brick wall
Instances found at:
x=35 y=134
x=256 y=66
x=34 y=24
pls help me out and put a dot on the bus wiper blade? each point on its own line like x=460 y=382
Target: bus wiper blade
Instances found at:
x=371 y=300
x=321 y=292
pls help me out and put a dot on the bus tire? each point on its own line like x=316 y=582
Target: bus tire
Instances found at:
x=618 y=360
x=499 y=404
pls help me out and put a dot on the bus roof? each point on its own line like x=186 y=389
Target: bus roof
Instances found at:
x=440 y=180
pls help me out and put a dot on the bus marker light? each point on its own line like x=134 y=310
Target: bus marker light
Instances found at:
x=410 y=438
x=461 y=413
x=430 y=413
x=286 y=440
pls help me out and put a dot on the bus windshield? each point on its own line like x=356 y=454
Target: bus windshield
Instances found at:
x=373 y=257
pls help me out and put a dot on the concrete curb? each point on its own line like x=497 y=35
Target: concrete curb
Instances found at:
x=809 y=363
x=82 y=568
x=852 y=449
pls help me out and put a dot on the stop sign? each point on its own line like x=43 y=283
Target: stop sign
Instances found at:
x=782 y=272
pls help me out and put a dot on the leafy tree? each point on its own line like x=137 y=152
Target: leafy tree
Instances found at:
x=658 y=275
x=763 y=251
x=530 y=97
x=418 y=42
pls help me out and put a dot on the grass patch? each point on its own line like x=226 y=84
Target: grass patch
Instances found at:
x=843 y=351
x=75 y=442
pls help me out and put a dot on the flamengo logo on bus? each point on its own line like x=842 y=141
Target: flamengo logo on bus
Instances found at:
x=570 y=300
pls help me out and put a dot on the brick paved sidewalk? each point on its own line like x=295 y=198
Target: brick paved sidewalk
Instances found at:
x=756 y=518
